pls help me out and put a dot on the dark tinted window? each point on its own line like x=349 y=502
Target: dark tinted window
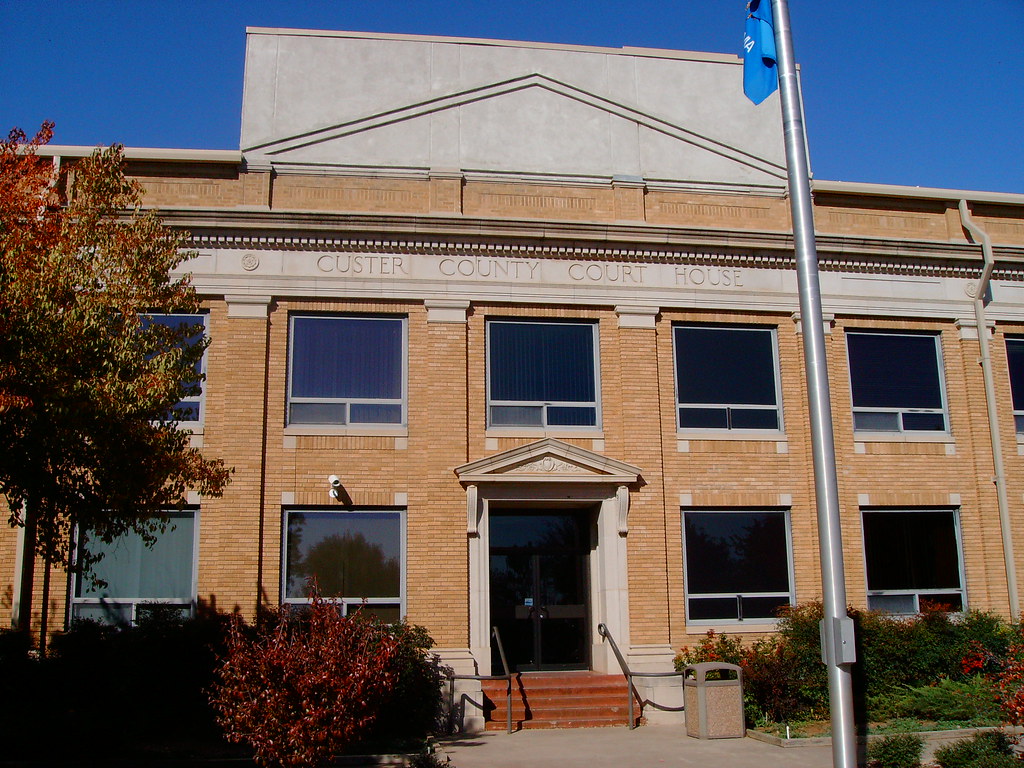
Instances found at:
x=542 y=362
x=725 y=365
x=737 y=564
x=725 y=378
x=188 y=409
x=542 y=374
x=911 y=551
x=350 y=554
x=1015 y=361
x=134 y=577
x=134 y=570
x=346 y=357
x=339 y=363
x=894 y=371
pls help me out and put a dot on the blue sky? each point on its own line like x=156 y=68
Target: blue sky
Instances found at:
x=895 y=91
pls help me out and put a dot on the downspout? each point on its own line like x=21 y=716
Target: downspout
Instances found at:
x=19 y=560
x=978 y=235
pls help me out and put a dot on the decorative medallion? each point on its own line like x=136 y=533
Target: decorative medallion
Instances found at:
x=545 y=464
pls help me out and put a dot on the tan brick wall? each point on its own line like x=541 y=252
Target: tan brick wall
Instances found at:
x=539 y=202
x=437 y=569
x=221 y=186
x=229 y=527
x=1013 y=446
x=917 y=219
x=327 y=193
x=899 y=474
x=56 y=592
x=719 y=211
x=633 y=404
x=740 y=474
x=241 y=534
x=8 y=550
x=447 y=427
x=167 y=192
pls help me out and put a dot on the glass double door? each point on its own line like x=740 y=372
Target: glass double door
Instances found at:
x=539 y=589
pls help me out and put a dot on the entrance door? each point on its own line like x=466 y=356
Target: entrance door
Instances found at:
x=539 y=589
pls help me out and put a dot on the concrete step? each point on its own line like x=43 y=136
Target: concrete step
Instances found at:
x=546 y=705
x=558 y=700
x=590 y=722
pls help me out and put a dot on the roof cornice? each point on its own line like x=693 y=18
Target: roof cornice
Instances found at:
x=438 y=233
x=927 y=193
x=213 y=156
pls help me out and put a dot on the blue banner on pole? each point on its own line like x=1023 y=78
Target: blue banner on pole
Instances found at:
x=760 y=75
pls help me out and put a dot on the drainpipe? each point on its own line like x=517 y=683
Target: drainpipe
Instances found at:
x=19 y=559
x=978 y=235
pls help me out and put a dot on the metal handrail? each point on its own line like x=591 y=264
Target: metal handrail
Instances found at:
x=507 y=677
x=631 y=690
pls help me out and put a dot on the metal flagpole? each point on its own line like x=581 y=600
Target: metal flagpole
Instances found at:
x=837 y=627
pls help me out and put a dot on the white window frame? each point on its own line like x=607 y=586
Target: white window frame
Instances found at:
x=730 y=406
x=916 y=594
x=200 y=399
x=134 y=603
x=347 y=402
x=544 y=405
x=759 y=620
x=347 y=603
x=900 y=412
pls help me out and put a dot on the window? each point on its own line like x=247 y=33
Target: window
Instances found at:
x=189 y=409
x=347 y=370
x=1015 y=361
x=896 y=382
x=139 y=578
x=354 y=555
x=726 y=378
x=541 y=374
x=737 y=564
x=910 y=556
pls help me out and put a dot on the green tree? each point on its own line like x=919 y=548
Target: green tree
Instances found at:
x=88 y=388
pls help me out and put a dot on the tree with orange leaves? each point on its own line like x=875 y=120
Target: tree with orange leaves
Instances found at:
x=88 y=387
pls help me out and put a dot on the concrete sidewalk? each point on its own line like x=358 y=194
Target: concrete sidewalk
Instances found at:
x=651 y=745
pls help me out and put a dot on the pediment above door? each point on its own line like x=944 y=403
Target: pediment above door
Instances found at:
x=548 y=461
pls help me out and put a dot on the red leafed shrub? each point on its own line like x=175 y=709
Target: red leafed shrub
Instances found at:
x=302 y=690
x=1010 y=685
x=712 y=647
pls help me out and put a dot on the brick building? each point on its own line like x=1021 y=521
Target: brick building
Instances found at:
x=506 y=334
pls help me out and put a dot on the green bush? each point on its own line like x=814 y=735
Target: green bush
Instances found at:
x=972 y=702
x=712 y=647
x=157 y=673
x=928 y=666
x=414 y=707
x=900 y=750
x=989 y=748
x=14 y=646
x=783 y=677
x=920 y=650
x=996 y=761
x=798 y=627
x=982 y=641
x=772 y=680
x=141 y=678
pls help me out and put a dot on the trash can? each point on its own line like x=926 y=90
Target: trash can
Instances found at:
x=714 y=708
